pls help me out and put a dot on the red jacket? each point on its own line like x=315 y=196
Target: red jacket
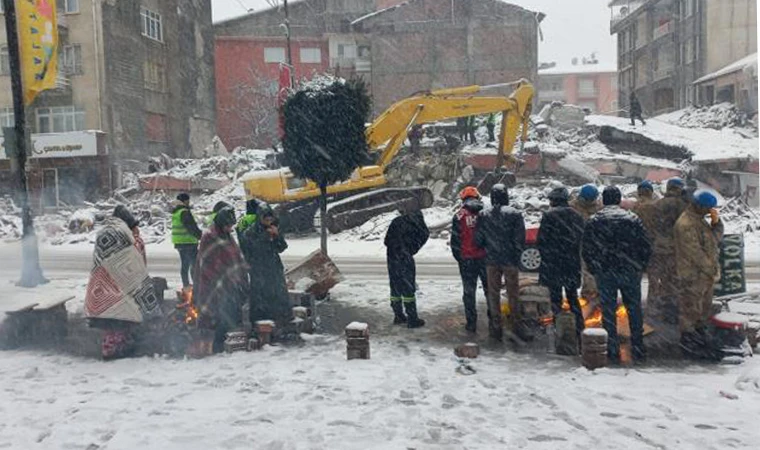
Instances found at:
x=463 y=228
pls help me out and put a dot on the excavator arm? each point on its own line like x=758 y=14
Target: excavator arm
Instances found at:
x=390 y=129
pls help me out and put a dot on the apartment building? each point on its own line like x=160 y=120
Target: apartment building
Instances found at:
x=665 y=46
x=592 y=86
x=140 y=73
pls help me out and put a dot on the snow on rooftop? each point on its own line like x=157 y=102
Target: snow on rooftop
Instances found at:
x=748 y=62
x=579 y=69
x=703 y=144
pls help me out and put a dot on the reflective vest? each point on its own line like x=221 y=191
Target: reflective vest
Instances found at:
x=245 y=222
x=180 y=234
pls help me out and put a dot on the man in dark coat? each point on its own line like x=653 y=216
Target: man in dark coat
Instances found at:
x=470 y=257
x=501 y=232
x=616 y=249
x=559 y=242
x=406 y=235
x=220 y=276
x=635 y=107
x=269 y=299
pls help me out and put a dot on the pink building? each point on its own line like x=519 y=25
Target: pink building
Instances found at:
x=592 y=86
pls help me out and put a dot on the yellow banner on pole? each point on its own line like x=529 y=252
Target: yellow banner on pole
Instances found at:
x=38 y=45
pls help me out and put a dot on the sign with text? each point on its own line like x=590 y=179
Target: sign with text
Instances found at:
x=732 y=276
x=38 y=45
x=61 y=145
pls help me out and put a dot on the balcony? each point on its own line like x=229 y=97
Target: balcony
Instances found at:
x=662 y=73
x=663 y=30
x=623 y=9
x=363 y=65
x=588 y=92
x=343 y=62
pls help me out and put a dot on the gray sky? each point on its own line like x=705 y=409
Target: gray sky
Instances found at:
x=571 y=28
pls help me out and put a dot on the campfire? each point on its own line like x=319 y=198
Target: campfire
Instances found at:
x=593 y=315
x=185 y=302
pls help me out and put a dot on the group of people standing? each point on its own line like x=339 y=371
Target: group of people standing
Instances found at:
x=601 y=249
x=228 y=276
x=466 y=127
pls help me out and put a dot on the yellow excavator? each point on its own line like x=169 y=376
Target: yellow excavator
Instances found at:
x=358 y=199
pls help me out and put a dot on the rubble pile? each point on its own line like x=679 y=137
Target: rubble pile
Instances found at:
x=717 y=117
x=229 y=167
x=435 y=167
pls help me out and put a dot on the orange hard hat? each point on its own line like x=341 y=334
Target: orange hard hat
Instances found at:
x=469 y=192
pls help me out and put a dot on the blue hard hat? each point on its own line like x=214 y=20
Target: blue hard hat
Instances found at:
x=676 y=182
x=705 y=199
x=646 y=185
x=589 y=192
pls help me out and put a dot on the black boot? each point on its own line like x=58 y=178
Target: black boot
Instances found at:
x=398 y=312
x=413 y=320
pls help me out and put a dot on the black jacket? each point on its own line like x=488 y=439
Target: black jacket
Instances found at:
x=635 y=106
x=501 y=231
x=407 y=234
x=269 y=292
x=615 y=242
x=559 y=242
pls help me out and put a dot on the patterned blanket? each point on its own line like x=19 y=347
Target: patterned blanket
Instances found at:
x=119 y=286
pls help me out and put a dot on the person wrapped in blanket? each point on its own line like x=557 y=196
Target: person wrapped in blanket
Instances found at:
x=120 y=294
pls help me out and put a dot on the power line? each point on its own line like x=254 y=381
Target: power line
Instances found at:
x=242 y=5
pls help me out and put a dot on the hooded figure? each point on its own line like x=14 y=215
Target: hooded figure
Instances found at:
x=470 y=257
x=696 y=261
x=120 y=293
x=616 y=250
x=406 y=235
x=269 y=299
x=559 y=243
x=587 y=204
x=635 y=108
x=501 y=232
x=221 y=278
x=185 y=236
x=218 y=206
x=662 y=299
x=249 y=218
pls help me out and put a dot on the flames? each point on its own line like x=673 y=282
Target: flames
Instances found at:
x=185 y=298
x=593 y=315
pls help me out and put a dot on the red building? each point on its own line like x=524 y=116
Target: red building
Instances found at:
x=592 y=86
x=247 y=83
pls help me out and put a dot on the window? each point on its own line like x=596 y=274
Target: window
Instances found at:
x=5 y=61
x=311 y=55
x=346 y=51
x=70 y=59
x=687 y=8
x=154 y=76
x=59 y=119
x=586 y=86
x=68 y=6
x=274 y=54
x=6 y=117
x=151 y=25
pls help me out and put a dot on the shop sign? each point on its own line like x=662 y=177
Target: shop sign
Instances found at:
x=61 y=145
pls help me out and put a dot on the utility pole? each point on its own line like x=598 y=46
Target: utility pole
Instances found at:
x=31 y=273
x=287 y=40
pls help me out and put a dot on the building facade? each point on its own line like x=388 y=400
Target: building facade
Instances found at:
x=140 y=72
x=664 y=46
x=590 y=86
x=398 y=47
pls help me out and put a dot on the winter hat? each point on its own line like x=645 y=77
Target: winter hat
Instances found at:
x=252 y=206
x=559 y=194
x=499 y=195
x=705 y=199
x=225 y=217
x=264 y=210
x=219 y=205
x=675 y=182
x=589 y=192
x=469 y=192
x=646 y=185
x=183 y=197
x=611 y=196
x=123 y=213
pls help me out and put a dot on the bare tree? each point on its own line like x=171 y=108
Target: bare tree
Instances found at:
x=255 y=104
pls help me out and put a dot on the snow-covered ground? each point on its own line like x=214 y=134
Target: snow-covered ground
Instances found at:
x=409 y=395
